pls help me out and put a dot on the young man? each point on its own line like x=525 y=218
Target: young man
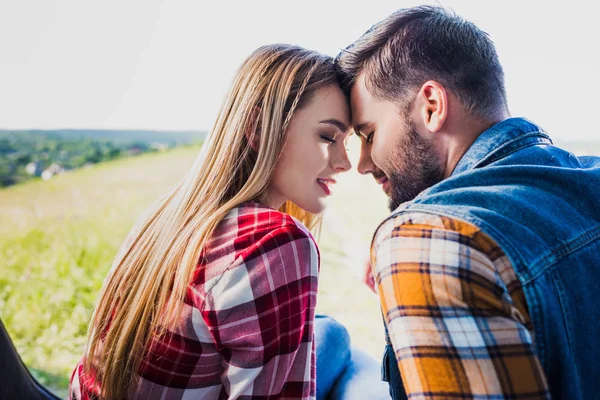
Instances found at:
x=487 y=268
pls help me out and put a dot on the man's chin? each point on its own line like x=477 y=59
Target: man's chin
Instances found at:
x=398 y=194
x=394 y=201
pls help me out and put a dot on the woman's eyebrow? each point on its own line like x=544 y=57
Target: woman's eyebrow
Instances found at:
x=338 y=124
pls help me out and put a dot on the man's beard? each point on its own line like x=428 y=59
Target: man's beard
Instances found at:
x=414 y=167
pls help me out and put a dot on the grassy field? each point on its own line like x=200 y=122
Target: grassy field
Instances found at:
x=58 y=239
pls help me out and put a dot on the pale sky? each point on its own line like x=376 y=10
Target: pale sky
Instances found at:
x=153 y=64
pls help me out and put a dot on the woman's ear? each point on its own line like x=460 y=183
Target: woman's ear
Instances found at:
x=253 y=129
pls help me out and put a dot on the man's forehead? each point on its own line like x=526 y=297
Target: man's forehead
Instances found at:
x=361 y=119
x=358 y=92
x=360 y=100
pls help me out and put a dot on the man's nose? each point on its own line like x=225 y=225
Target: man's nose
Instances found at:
x=365 y=163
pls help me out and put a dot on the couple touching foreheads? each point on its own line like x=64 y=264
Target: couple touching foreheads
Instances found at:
x=486 y=268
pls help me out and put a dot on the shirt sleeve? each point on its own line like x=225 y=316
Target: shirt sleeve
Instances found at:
x=261 y=315
x=458 y=328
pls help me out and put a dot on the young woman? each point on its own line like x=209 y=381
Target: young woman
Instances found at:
x=213 y=294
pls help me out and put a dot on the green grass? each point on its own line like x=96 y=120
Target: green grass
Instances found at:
x=58 y=239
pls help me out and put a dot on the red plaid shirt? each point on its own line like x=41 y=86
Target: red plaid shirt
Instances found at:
x=246 y=331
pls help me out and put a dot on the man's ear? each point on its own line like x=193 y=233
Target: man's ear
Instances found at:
x=433 y=102
x=252 y=131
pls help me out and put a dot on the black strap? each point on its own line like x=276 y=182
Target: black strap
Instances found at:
x=15 y=380
x=390 y=372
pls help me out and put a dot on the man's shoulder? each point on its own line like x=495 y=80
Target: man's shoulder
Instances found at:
x=405 y=218
x=408 y=223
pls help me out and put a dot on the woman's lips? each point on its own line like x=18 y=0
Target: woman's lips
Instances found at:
x=325 y=185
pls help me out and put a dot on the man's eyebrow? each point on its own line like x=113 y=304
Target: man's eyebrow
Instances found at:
x=338 y=124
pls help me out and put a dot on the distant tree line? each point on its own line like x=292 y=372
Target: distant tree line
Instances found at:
x=27 y=155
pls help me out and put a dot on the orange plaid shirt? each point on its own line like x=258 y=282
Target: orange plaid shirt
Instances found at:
x=455 y=311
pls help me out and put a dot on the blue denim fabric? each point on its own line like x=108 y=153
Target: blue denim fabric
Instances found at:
x=344 y=372
x=360 y=379
x=332 y=344
x=541 y=204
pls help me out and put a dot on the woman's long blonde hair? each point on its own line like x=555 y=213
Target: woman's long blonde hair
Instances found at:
x=144 y=292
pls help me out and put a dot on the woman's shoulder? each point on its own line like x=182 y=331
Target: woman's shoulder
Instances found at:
x=260 y=230
x=261 y=242
x=255 y=220
x=250 y=229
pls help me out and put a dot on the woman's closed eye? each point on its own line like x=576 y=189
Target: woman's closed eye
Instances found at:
x=328 y=138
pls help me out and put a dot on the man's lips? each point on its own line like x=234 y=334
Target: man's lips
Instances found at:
x=384 y=182
x=381 y=180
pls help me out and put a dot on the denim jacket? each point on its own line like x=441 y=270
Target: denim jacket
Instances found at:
x=541 y=205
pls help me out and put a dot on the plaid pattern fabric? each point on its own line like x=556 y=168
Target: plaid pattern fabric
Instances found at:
x=455 y=311
x=246 y=331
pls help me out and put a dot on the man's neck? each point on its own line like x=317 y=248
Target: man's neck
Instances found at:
x=467 y=131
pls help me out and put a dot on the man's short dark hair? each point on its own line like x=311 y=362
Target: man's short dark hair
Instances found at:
x=414 y=45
